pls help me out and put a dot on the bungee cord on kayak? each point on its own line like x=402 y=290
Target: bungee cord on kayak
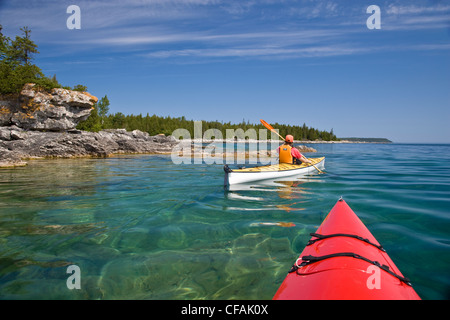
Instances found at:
x=322 y=237
x=307 y=260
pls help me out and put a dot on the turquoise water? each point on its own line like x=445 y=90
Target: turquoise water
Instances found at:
x=141 y=227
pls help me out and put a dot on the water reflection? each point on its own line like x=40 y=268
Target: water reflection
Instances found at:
x=287 y=188
x=279 y=224
x=292 y=191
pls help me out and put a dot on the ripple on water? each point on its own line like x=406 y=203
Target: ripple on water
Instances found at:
x=141 y=227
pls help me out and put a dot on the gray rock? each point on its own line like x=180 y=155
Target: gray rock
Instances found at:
x=140 y=135
x=7 y=103
x=17 y=144
x=12 y=133
x=41 y=124
x=55 y=110
x=9 y=158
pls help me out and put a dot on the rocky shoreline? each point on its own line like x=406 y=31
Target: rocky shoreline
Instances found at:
x=38 y=124
x=17 y=145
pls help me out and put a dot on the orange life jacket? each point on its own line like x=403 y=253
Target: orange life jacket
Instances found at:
x=285 y=154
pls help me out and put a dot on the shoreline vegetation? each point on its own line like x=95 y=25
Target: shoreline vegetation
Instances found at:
x=40 y=118
x=366 y=140
x=341 y=141
x=153 y=125
x=18 y=146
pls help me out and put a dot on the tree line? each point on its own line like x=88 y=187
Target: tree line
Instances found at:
x=153 y=124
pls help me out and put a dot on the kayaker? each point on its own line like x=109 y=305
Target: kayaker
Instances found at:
x=289 y=154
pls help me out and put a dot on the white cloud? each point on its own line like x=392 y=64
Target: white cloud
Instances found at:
x=278 y=38
x=415 y=17
x=219 y=28
x=281 y=53
x=414 y=9
x=413 y=22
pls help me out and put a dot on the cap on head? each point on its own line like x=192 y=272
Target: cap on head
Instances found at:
x=289 y=138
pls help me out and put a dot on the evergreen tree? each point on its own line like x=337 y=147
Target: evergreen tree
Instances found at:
x=80 y=88
x=103 y=107
x=92 y=123
x=154 y=125
x=22 y=48
x=16 y=68
x=4 y=45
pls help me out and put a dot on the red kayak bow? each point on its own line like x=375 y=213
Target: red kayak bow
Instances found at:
x=343 y=260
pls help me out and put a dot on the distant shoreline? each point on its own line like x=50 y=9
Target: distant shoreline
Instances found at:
x=275 y=141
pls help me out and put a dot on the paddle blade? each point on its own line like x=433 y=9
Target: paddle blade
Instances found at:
x=268 y=126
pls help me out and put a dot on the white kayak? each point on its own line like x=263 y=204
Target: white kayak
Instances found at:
x=274 y=171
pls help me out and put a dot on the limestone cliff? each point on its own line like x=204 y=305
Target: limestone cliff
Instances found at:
x=36 y=109
x=41 y=124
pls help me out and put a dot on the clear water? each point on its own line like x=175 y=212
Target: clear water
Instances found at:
x=140 y=227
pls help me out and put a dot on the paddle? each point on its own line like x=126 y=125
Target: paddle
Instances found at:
x=268 y=126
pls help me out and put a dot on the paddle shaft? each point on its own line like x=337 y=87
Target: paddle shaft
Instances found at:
x=278 y=134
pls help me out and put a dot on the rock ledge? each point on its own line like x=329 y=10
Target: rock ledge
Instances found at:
x=17 y=144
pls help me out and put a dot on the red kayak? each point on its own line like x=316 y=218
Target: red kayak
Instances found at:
x=343 y=261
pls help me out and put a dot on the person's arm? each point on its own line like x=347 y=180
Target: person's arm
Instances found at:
x=296 y=154
x=303 y=159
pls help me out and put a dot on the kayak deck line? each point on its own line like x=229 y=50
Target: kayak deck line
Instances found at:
x=312 y=259
x=279 y=167
x=322 y=237
x=273 y=171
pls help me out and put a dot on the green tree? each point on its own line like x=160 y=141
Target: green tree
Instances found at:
x=16 y=68
x=22 y=48
x=118 y=120
x=80 y=88
x=92 y=123
x=103 y=108
x=4 y=45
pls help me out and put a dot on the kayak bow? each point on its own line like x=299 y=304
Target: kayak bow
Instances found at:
x=344 y=261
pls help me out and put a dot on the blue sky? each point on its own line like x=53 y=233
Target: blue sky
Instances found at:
x=286 y=61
